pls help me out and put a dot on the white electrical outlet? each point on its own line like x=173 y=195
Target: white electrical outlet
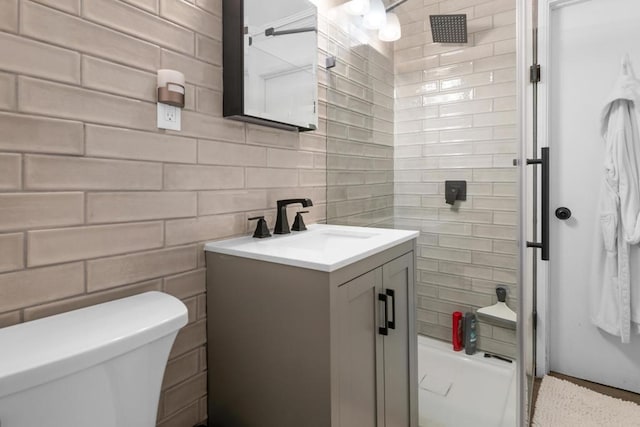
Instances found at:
x=169 y=117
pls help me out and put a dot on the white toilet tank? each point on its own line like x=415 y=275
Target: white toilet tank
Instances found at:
x=100 y=366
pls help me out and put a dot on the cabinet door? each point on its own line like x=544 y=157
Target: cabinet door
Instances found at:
x=398 y=285
x=360 y=362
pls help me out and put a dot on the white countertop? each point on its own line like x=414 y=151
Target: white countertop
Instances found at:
x=322 y=247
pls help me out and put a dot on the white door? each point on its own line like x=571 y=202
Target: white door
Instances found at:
x=587 y=40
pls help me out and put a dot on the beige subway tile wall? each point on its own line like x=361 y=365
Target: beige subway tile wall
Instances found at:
x=95 y=202
x=359 y=131
x=455 y=119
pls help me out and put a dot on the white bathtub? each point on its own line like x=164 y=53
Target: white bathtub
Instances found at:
x=459 y=390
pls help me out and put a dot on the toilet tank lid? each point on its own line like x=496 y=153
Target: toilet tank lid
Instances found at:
x=42 y=350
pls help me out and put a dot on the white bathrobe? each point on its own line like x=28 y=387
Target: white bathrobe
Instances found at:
x=615 y=303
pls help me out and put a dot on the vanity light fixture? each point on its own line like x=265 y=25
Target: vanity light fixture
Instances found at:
x=376 y=18
x=392 y=30
x=357 y=7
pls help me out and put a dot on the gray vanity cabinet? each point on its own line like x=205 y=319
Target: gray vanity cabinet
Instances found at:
x=397 y=275
x=375 y=385
x=297 y=347
x=360 y=359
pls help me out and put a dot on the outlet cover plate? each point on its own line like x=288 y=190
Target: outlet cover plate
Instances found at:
x=169 y=117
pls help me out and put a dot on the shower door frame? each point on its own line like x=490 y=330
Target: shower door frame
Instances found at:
x=526 y=326
x=542 y=273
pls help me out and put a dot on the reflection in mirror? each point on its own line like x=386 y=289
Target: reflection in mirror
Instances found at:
x=277 y=83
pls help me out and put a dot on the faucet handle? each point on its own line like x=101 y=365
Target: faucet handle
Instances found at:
x=298 y=223
x=262 y=229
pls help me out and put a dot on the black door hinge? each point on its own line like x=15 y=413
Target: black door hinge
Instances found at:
x=534 y=319
x=534 y=73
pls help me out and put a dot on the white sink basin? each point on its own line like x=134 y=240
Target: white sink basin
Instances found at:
x=322 y=247
x=320 y=240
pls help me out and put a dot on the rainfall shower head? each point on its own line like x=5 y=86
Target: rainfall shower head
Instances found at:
x=449 y=28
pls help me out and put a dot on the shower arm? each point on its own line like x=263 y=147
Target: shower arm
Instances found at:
x=394 y=5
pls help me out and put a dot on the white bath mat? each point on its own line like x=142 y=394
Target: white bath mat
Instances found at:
x=564 y=404
x=435 y=384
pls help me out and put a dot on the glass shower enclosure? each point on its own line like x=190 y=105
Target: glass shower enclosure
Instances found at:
x=402 y=119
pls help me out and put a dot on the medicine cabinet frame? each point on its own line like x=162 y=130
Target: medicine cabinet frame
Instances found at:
x=234 y=42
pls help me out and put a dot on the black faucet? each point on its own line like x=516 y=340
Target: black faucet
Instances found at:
x=282 y=222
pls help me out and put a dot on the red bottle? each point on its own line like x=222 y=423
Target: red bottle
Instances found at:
x=457 y=336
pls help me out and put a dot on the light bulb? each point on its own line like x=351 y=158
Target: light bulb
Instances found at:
x=357 y=7
x=392 y=31
x=376 y=18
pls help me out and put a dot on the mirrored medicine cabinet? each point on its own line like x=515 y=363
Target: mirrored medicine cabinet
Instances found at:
x=270 y=54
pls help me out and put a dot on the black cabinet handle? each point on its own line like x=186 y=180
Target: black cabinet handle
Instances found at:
x=384 y=330
x=544 y=241
x=391 y=293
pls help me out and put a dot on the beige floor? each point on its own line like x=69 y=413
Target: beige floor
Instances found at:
x=603 y=389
